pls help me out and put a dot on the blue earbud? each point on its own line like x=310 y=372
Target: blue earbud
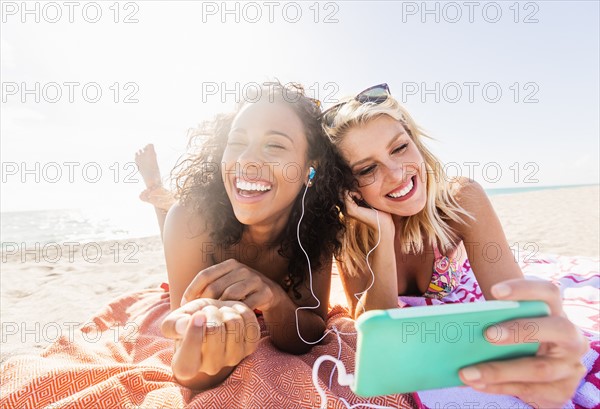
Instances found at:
x=311 y=173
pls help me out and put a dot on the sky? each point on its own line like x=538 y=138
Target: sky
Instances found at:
x=508 y=90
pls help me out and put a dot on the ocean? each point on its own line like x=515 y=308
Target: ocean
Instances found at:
x=75 y=225
x=95 y=225
x=513 y=190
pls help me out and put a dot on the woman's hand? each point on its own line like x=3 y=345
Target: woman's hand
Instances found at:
x=234 y=281
x=367 y=215
x=547 y=380
x=210 y=335
x=365 y=291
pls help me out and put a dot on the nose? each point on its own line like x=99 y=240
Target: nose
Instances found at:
x=395 y=171
x=250 y=161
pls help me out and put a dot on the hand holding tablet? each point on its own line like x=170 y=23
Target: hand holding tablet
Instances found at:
x=418 y=348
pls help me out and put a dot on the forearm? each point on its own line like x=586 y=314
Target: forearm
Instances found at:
x=383 y=294
x=283 y=329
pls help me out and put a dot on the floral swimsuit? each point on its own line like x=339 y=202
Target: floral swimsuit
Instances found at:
x=446 y=276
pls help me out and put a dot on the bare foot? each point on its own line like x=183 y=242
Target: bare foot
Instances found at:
x=145 y=159
x=159 y=197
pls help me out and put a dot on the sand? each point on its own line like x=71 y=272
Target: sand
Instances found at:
x=562 y=221
x=45 y=294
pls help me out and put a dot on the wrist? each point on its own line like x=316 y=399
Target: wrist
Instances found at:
x=388 y=230
x=278 y=297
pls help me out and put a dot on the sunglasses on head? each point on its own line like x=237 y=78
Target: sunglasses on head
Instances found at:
x=375 y=95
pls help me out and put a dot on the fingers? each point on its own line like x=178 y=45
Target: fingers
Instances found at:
x=522 y=290
x=261 y=297
x=548 y=379
x=259 y=300
x=210 y=335
x=349 y=201
x=372 y=217
x=354 y=210
x=240 y=290
x=175 y=324
x=227 y=339
x=187 y=360
x=552 y=329
x=235 y=335
x=541 y=382
x=351 y=205
x=206 y=277
x=216 y=289
x=538 y=395
x=527 y=369
x=251 y=328
x=214 y=344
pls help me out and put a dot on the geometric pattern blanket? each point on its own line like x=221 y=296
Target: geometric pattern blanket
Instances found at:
x=121 y=360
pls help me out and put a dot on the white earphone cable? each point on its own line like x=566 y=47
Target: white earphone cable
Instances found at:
x=344 y=378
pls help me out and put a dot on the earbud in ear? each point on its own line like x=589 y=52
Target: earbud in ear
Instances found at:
x=311 y=176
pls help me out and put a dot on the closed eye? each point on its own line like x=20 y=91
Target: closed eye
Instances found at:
x=366 y=171
x=400 y=148
x=275 y=146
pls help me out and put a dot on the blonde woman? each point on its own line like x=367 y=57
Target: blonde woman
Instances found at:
x=427 y=226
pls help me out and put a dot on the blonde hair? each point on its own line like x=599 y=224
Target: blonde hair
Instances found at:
x=429 y=224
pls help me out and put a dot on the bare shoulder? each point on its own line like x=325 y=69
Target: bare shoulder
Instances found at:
x=468 y=194
x=185 y=237
x=471 y=197
x=185 y=223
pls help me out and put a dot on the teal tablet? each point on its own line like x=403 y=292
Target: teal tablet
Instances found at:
x=418 y=348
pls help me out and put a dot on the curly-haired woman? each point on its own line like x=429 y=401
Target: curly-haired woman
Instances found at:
x=258 y=199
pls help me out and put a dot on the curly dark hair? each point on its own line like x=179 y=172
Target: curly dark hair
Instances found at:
x=199 y=185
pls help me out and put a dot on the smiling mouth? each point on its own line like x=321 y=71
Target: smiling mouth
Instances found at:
x=251 y=189
x=395 y=194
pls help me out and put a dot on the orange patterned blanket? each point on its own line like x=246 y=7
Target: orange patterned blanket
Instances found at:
x=121 y=360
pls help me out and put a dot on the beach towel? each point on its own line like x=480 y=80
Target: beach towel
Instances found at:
x=121 y=360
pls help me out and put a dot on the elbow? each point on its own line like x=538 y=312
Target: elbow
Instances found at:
x=299 y=348
x=360 y=309
x=300 y=343
x=357 y=313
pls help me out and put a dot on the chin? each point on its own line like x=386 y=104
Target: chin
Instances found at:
x=410 y=208
x=245 y=216
x=418 y=205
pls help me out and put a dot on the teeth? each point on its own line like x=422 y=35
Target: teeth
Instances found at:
x=243 y=185
x=403 y=192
